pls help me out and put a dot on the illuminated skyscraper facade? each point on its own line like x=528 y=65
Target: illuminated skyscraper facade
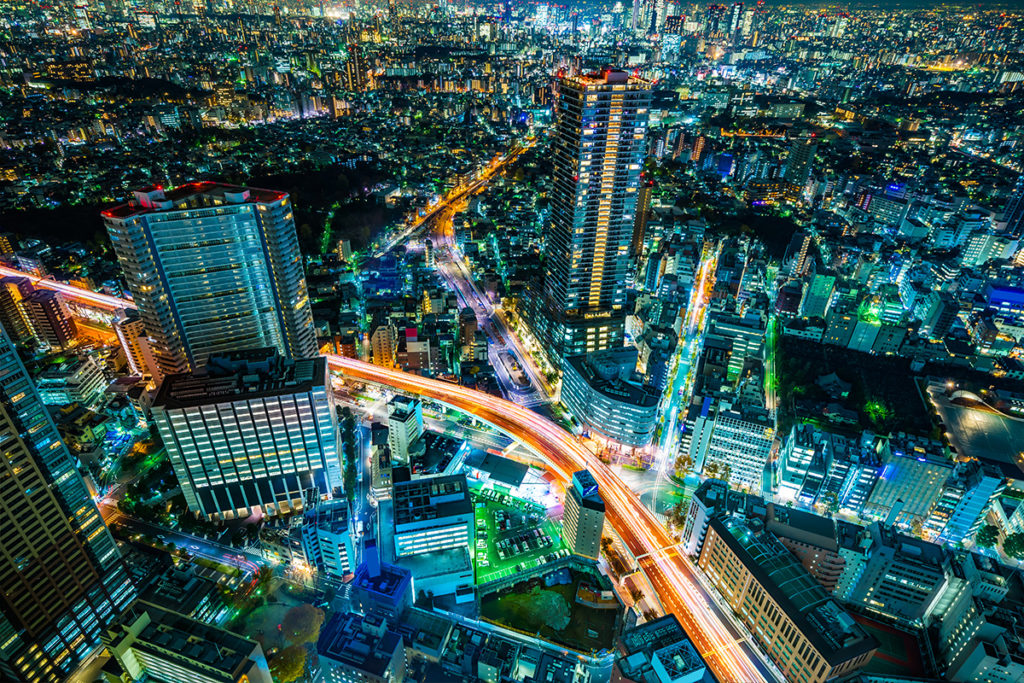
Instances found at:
x=61 y=576
x=213 y=268
x=598 y=155
x=252 y=430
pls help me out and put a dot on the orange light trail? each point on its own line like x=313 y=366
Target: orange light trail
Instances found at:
x=671 y=574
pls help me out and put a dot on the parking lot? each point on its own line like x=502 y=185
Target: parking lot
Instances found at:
x=512 y=535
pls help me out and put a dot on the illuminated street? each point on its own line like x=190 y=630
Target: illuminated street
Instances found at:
x=726 y=649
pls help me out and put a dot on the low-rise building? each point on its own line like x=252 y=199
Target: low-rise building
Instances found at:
x=432 y=514
x=441 y=572
x=152 y=643
x=79 y=379
x=658 y=651
x=363 y=648
x=601 y=389
x=380 y=587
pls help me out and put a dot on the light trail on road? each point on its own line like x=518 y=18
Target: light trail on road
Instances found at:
x=725 y=649
x=456 y=194
x=105 y=301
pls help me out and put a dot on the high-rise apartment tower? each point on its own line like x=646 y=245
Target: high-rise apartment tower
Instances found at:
x=598 y=157
x=61 y=576
x=213 y=268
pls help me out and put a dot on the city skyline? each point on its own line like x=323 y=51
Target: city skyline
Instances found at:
x=640 y=341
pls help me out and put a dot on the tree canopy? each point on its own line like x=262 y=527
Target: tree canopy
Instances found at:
x=288 y=664
x=301 y=624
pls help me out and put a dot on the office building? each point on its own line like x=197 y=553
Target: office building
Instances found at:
x=49 y=319
x=743 y=336
x=432 y=514
x=380 y=588
x=361 y=648
x=817 y=467
x=251 y=430
x=733 y=444
x=899 y=577
x=818 y=294
x=152 y=643
x=61 y=576
x=327 y=537
x=909 y=484
x=131 y=335
x=811 y=538
x=939 y=313
x=1013 y=213
x=714 y=498
x=658 y=651
x=583 y=516
x=441 y=572
x=603 y=391
x=213 y=268
x=965 y=499
x=192 y=595
x=978 y=631
x=405 y=427
x=598 y=153
x=805 y=632
x=79 y=379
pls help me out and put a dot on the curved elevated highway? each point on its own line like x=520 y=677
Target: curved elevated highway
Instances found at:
x=725 y=648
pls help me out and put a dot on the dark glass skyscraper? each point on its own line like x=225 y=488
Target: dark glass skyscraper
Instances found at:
x=61 y=576
x=1014 y=211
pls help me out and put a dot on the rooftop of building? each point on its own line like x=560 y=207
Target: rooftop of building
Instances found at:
x=832 y=632
x=390 y=582
x=186 y=638
x=437 y=563
x=910 y=548
x=715 y=493
x=431 y=498
x=330 y=515
x=803 y=526
x=156 y=198
x=499 y=469
x=247 y=374
x=182 y=588
x=40 y=295
x=401 y=408
x=606 y=76
x=652 y=635
x=364 y=643
x=610 y=372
